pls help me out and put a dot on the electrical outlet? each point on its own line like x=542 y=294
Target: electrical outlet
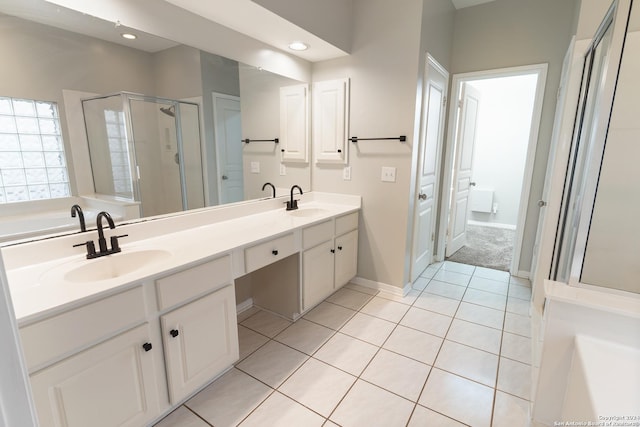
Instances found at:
x=346 y=173
x=283 y=170
x=388 y=174
x=255 y=167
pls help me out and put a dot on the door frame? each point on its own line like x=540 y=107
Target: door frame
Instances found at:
x=541 y=71
x=430 y=61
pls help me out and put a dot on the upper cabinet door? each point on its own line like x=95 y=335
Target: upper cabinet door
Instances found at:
x=331 y=120
x=294 y=123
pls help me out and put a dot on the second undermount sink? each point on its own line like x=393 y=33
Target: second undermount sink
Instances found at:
x=108 y=267
x=307 y=212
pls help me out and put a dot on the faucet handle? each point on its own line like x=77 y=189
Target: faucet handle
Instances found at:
x=91 y=248
x=115 y=246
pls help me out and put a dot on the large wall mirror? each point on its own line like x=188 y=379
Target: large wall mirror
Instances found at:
x=148 y=119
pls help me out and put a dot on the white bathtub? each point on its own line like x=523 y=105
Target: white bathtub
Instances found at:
x=589 y=366
x=603 y=383
x=30 y=225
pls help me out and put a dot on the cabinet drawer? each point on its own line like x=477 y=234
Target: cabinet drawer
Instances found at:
x=270 y=251
x=60 y=335
x=346 y=223
x=316 y=234
x=192 y=282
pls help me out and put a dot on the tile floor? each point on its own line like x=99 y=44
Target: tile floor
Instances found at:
x=455 y=351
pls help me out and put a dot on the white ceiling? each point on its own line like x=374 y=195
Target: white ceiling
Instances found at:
x=56 y=16
x=460 y=4
x=253 y=20
x=243 y=16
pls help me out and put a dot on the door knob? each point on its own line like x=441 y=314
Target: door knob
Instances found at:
x=542 y=203
x=472 y=184
x=422 y=196
x=225 y=177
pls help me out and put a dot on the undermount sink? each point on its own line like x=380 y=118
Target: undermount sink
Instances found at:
x=307 y=212
x=108 y=267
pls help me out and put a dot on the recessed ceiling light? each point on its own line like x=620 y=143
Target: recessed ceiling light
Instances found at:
x=298 y=46
x=129 y=36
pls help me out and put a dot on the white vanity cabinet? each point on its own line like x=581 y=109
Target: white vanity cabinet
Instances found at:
x=200 y=341
x=329 y=257
x=200 y=337
x=96 y=364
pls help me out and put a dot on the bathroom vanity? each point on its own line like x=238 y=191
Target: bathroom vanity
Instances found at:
x=125 y=338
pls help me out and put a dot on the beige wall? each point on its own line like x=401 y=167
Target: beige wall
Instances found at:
x=508 y=33
x=384 y=68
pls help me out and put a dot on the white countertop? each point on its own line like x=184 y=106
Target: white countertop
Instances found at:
x=38 y=291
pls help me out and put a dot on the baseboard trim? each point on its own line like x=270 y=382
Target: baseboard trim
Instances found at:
x=244 y=305
x=523 y=274
x=492 y=224
x=379 y=286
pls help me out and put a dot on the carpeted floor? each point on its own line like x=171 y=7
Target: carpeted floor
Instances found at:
x=486 y=247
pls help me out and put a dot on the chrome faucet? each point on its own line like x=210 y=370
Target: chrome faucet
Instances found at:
x=76 y=209
x=102 y=243
x=272 y=187
x=293 y=203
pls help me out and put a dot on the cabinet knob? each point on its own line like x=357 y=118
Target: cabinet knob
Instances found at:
x=275 y=252
x=339 y=151
x=147 y=346
x=333 y=251
x=339 y=248
x=174 y=333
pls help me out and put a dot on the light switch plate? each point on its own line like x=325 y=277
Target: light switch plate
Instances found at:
x=346 y=173
x=388 y=174
x=283 y=170
x=255 y=167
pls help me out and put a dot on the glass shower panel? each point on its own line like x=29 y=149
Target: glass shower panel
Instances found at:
x=191 y=154
x=583 y=135
x=153 y=124
x=109 y=148
x=613 y=244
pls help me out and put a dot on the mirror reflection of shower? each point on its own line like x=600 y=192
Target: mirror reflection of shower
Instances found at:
x=171 y=111
x=147 y=150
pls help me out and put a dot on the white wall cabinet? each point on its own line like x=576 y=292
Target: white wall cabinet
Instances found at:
x=329 y=259
x=200 y=340
x=331 y=121
x=294 y=123
x=111 y=384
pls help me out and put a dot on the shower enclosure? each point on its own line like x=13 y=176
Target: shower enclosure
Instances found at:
x=146 y=149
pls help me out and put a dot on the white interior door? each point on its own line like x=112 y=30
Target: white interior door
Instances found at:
x=228 y=131
x=465 y=139
x=431 y=137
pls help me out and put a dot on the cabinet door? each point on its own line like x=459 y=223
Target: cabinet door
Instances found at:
x=294 y=123
x=330 y=120
x=111 y=384
x=317 y=274
x=200 y=341
x=346 y=258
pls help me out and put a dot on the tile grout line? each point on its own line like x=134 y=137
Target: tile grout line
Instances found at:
x=380 y=347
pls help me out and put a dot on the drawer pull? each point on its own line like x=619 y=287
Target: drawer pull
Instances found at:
x=174 y=333
x=275 y=252
x=147 y=346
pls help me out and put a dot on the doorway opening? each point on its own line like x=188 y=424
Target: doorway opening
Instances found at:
x=488 y=170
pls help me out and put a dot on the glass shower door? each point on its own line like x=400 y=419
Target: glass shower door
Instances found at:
x=157 y=155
